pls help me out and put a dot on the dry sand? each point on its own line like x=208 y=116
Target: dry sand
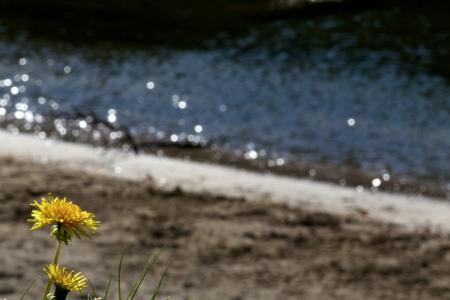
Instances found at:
x=222 y=247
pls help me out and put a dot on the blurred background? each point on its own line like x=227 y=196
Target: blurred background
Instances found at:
x=355 y=92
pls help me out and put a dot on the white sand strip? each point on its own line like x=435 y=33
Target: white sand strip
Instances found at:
x=411 y=211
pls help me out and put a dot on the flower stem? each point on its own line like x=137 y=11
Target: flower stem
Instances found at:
x=55 y=261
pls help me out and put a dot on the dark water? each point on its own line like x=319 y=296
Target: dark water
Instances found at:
x=302 y=90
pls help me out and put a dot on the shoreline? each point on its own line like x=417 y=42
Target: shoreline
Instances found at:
x=205 y=178
x=346 y=174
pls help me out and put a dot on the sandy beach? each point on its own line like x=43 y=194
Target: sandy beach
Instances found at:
x=253 y=236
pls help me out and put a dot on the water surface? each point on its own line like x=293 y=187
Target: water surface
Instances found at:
x=290 y=91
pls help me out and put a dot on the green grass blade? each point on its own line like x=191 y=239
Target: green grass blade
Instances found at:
x=134 y=289
x=119 y=278
x=161 y=280
x=135 y=283
x=107 y=288
x=92 y=288
x=150 y=263
x=27 y=289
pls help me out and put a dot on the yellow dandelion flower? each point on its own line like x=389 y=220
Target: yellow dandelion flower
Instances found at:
x=66 y=216
x=65 y=279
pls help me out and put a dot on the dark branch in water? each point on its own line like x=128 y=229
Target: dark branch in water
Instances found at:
x=183 y=145
x=96 y=120
x=128 y=138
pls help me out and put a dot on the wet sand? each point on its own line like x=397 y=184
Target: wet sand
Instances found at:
x=222 y=248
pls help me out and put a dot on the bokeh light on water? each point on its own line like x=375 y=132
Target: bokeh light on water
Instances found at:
x=273 y=101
